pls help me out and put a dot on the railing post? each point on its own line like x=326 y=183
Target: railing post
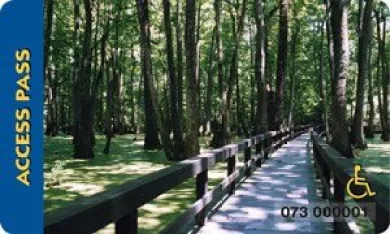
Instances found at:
x=281 y=136
x=280 y=139
x=272 y=140
x=315 y=154
x=326 y=172
x=201 y=189
x=339 y=197
x=266 y=145
x=127 y=224
x=315 y=157
x=286 y=136
x=247 y=159
x=259 y=150
x=231 y=168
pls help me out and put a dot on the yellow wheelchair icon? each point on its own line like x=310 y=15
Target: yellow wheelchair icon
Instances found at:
x=359 y=181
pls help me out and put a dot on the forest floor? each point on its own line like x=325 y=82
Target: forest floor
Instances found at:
x=376 y=159
x=126 y=161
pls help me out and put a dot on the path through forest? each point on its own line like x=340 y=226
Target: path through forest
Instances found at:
x=287 y=179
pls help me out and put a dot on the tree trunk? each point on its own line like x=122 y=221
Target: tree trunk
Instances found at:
x=55 y=125
x=76 y=68
x=371 y=114
x=323 y=85
x=84 y=143
x=179 y=45
x=132 y=93
x=261 y=125
x=381 y=73
x=210 y=87
x=252 y=84
x=339 y=20
x=223 y=129
x=360 y=20
x=62 y=117
x=218 y=42
x=114 y=108
x=48 y=79
x=241 y=126
x=100 y=110
x=385 y=84
x=292 y=76
x=177 y=129
x=109 y=96
x=330 y=41
x=192 y=130
x=198 y=67
x=109 y=108
x=151 y=130
x=364 y=44
x=282 y=62
x=48 y=31
x=378 y=84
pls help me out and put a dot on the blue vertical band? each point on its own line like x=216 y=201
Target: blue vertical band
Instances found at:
x=21 y=114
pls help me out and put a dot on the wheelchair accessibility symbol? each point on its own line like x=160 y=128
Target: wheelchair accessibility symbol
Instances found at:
x=359 y=181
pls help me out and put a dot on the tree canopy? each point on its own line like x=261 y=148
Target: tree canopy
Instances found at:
x=176 y=70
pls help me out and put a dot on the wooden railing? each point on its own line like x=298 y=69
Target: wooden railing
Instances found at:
x=120 y=205
x=332 y=166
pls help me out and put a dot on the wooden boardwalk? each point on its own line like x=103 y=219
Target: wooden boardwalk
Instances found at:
x=286 y=179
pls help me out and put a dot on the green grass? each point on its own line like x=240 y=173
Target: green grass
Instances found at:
x=126 y=161
x=376 y=159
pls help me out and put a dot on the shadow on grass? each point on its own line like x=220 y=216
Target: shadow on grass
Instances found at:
x=79 y=178
x=376 y=159
x=126 y=161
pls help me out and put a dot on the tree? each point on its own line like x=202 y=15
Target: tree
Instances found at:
x=382 y=78
x=323 y=86
x=76 y=65
x=339 y=127
x=174 y=105
x=179 y=52
x=385 y=80
x=261 y=114
x=51 y=122
x=112 y=77
x=330 y=40
x=365 y=37
x=294 y=42
x=281 y=62
x=223 y=134
x=84 y=136
x=151 y=128
x=192 y=130
x=210 y=86
x=218 y=42
x=371 y=114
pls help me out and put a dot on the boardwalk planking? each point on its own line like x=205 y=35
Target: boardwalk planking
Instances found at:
x=287 y=178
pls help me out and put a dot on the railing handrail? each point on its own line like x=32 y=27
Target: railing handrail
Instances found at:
x=328 y=160
x=87 y=215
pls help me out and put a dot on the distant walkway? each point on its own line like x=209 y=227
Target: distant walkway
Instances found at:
x=286 y=179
